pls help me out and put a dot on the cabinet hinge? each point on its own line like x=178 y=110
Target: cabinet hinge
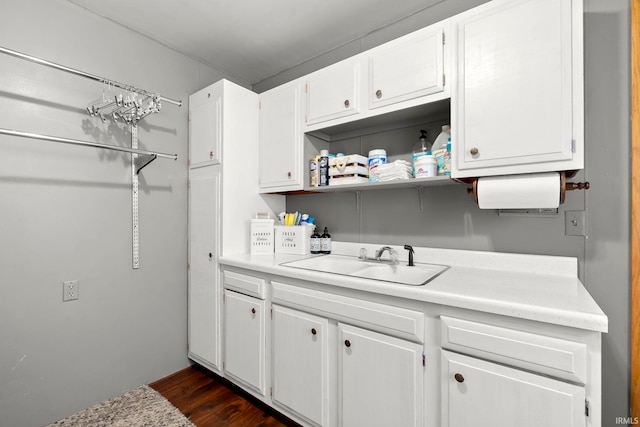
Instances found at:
x=306 y=85
x=444 y=79
x=586 y=407
x=271 y=312
x=271 y=391
x=188 y=265
x=189 y=115
x=424 y=360
x=573 y=145
x=259 y=105
x=443 y=38
x=224 y=298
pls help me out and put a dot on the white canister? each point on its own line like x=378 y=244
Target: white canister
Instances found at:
x=376 y=158
x=425 y=166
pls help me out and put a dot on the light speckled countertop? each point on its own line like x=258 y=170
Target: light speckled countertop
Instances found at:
x=534 y=287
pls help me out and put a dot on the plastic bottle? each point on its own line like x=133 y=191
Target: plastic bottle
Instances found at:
x=441 y=141
x=313 y=171
x=325 y=242
x=443 y=158
x=323 y=168
x=315 y=243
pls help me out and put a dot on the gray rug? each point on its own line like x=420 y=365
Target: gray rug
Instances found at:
x=140 y=407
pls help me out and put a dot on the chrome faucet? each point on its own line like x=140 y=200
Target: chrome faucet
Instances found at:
x=393 y=255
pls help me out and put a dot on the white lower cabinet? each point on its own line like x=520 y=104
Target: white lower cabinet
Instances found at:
x=300 y=364
x=244 y=349
x=380 y=379
x=352 y=359
x=204 y=284
x=483 y=394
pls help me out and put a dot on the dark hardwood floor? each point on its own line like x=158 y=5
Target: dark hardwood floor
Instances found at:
x=211 y=401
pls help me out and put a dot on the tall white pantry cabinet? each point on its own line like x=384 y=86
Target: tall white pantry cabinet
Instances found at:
x=223 y=195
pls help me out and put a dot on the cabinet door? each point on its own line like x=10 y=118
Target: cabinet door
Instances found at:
x=280 y=149
x=407 y=68
x=204 y=284
x=300 y=364
x=380 y=379
x=244 y=350
x=332 y=92
x=479 y=393
x=205 y=127
x=518 y=106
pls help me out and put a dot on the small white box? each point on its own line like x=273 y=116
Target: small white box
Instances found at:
x=294 y=239
x=262 y=236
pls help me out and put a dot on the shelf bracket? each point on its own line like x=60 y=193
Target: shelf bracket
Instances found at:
x=420 y=198
x=142 y=160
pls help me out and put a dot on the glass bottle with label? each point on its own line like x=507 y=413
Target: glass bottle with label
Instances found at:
x=325 y=242
x=314 y=245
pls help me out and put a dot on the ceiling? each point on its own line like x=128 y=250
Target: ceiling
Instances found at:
x=254 y=39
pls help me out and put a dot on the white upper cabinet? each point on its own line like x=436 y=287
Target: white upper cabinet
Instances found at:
x=407 y=68
x=517 y=105
x=333 y=92
x=205 y=127
x=280 y=149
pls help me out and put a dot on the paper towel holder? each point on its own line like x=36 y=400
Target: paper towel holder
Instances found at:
x=564 y=185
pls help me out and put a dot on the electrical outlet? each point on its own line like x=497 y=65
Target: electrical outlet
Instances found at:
x=70 y=290
x=575 y=223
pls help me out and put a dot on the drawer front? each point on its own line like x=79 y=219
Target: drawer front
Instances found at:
x=539 y=353
x=248 y=285
x=390 y=320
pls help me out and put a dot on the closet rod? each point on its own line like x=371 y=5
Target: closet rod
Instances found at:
x=83 y=74
x=85 y=143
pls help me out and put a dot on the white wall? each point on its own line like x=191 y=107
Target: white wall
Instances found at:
x=65 y=214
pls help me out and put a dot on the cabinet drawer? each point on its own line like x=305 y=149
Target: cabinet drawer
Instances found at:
x=539 y=353
x=248 y=285
x=395 y=321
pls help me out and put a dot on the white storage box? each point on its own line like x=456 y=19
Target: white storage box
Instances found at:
x=293 y=239
x=262 y=236
x=349 y=169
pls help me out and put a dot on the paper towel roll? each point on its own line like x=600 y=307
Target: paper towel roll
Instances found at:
x=526 y=191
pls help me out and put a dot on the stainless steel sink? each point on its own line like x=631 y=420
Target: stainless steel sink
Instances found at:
x=417 y=275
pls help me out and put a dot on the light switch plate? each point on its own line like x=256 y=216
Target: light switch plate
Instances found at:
x=575 y=223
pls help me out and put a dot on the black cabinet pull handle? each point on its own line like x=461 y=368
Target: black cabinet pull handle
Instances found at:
x=347 y=343
x=459 y=378
x=253 y=311
x=313 y=331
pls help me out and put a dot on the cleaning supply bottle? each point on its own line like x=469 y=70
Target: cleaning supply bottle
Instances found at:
x=441 y=140
x=315 y=242
x=439 y=148
x=323 y=168
x=325 y=242
x=422 y=148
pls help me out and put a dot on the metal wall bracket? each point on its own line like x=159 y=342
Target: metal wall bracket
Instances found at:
x=140 y=161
